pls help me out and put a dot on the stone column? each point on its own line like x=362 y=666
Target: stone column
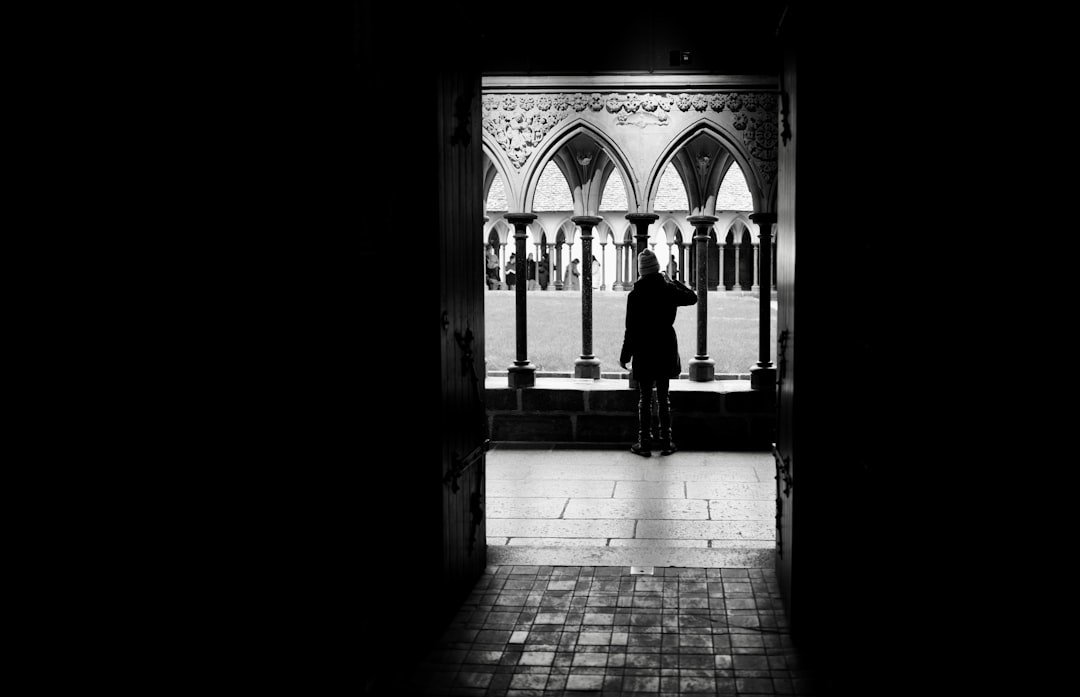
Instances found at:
x=682 y=263
x=702 y=368
x=522 y=373
x=627 y=252
x=551 y=265
x=587 y=366
x=763 y=375
x=738 y=268
x=641 y=221
x=558 y=262
x=756 y=255
x=603 y=266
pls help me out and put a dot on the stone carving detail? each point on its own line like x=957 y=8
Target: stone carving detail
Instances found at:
x=760 y=138
x=703 y=165
x=519 y=122
x=642 y=119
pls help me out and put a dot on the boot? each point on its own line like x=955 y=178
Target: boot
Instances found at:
x=643 y=446
x=664 y=442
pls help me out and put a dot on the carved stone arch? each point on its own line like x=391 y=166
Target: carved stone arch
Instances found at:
x=568 y=227
x=490 y=172
x=500 y=165
x=562 y=135
x=671 y=230
x=603 y=232
x=500 y=228
x=728 y=141
x=739 y=219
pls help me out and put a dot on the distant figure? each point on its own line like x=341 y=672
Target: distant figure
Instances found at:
x=595 y=272
x=650 y=342
x=511 y=272
x=530 y=273
x=492 y=262
x=673 y=269
x=542 y=272
x=572 y=281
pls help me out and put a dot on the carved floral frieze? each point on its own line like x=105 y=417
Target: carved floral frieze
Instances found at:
x=518 y=123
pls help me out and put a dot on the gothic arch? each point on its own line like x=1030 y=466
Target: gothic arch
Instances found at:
x=499 y=165
x=740 y=219
x=670 y=224
x=603 y=232
x=727 y=141
x=500 y=227
x=561 y=136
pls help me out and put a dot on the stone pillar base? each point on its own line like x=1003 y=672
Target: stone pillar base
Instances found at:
x=762 y=378
x=702 y=370
x=587 y=368
x=521 y=376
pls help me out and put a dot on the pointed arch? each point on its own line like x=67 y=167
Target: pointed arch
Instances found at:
x=611 y=196
x=564 y=134
x=564 y=190
x=672 y=230
x=662 y=186
x=500 y=227
x=727 y=141
x=724 y=184
x=738 y=219
x=603 y=232
x=501 y=166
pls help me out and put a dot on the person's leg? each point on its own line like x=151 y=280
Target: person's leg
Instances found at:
x=667 y=444
x=643 y=446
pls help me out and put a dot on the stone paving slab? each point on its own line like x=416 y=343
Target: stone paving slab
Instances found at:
x=611 y=507
x=619 y=542
x=728 y=490
x=497 y=488
x=637 y=509
x=742 y=510
x=554 y=541
x=527 y=507
x=711 y=529
x=563 y=528
x=687 y=557
x=700 y=473
x=652 y=490
x=566 y=472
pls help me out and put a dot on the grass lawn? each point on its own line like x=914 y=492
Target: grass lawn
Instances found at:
x=554 y=330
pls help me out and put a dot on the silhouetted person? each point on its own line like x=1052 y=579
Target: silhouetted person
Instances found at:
x=491 y=260
x=650 y=342
x=511 y=272
x=530 y=273
x=542 y=272
x=573 y=276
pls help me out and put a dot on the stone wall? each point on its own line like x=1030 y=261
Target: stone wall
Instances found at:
x=717 y=419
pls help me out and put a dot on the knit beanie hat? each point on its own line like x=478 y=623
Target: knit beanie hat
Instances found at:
x=647 y=263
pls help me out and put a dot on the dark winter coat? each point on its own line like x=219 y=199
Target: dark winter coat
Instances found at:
x=649 y=339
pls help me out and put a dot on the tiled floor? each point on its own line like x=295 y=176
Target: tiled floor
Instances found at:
x=610 y=574
x=540 y=631
x=614 y=508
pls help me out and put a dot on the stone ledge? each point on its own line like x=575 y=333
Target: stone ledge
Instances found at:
x=658 y=556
